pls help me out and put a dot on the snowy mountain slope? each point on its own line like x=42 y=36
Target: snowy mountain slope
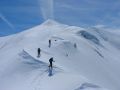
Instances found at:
x=90 y=66
x=111 y=36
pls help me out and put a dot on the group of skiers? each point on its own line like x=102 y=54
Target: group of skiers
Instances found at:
x=51 y=59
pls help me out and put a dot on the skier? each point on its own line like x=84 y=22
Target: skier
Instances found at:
x=75 y=45
x=39 y=50
x=50 y=61
x=49 y=43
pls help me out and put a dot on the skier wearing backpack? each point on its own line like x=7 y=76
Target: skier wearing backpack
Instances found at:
x=50 y=61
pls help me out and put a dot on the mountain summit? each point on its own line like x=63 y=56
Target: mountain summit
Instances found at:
x=50 y=22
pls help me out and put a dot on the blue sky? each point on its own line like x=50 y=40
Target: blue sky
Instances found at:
x=19 y=15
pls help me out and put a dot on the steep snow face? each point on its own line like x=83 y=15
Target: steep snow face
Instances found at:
x=89 y=36
x=84 y=59
x=111 y=36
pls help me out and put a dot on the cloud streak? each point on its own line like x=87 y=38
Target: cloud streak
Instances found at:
x=47 y=9
x=6 y=21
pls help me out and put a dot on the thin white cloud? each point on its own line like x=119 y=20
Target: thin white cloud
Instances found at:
x=99 y=26
x=6 y=21
x=79 y=8
x=47 y=9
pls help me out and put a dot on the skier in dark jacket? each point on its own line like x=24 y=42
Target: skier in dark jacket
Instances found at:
x=50 y=61
x=39 y=50
x=49 y=43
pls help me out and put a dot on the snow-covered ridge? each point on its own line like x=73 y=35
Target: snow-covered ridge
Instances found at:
x=92 y=65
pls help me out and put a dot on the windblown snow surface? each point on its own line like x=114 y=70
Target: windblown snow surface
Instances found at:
x=93 y=65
